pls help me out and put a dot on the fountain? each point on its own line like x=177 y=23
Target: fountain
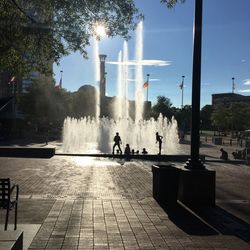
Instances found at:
x=95 y=135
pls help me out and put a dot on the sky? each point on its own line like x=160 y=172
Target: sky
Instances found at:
x=168 y=36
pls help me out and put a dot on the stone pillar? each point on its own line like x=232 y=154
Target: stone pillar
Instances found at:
x=102 y=75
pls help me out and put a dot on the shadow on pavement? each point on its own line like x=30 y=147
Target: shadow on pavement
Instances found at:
x=188 y=221
x=225 y=222
x=207 y=221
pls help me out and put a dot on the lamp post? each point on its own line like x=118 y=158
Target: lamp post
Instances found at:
x=233 y=85
x=182 y=89
x=60 y=83
x=195 y=162
x=147 y=84
x=196 y=183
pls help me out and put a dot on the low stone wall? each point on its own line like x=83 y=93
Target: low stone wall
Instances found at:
x=11 y=240
x=27 y=152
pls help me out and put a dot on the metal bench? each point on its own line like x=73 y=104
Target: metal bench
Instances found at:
x=6 y=199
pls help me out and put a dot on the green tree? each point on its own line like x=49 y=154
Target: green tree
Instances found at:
x=235 y=117
x=205 y=116
x=183 y=117
x=220 y=117
x=172 y=3
x=44 y=103
x=163 y=106
x=239 y=116
x=35 y=32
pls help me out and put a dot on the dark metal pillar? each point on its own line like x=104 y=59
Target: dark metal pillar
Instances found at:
x=195 y=162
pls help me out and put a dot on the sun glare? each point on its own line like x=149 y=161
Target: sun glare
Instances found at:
x=100 y=30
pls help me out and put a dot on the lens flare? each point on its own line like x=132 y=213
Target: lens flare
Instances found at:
x=100 y=30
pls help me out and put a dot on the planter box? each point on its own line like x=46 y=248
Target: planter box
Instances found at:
x=165 y=184
x=197 y=188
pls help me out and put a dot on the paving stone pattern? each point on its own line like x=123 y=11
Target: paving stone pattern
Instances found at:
x=99 y=204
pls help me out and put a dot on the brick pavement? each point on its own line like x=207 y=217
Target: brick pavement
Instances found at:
x=84 y=203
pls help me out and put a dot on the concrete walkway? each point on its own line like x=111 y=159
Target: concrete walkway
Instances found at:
x=86 y=203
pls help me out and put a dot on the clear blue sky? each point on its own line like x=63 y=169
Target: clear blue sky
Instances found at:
x=168 y=35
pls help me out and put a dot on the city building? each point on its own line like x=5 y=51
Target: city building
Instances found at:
x=229 y=98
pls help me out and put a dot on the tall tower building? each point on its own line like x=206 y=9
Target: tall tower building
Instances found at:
x=102 y=85
x=102 y=76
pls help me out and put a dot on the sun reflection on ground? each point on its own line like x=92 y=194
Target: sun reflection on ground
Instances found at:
x=84 y=161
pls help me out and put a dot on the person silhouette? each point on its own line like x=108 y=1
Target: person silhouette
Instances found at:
x=118 y=141
x=224 y=154
x=144 y=151
x=127 y=150
x=159 y=140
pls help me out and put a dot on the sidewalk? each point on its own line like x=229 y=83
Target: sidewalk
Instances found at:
x=85 y=203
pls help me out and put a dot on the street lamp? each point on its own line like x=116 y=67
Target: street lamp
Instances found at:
x=60 y=83
x=147 y=84
x=233 y=85
x=182 y=89
x=195 y=162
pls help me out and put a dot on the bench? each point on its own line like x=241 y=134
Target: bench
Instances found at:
x=6 y=201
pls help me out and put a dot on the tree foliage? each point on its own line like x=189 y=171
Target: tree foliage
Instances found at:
x=205 y=116
x=35 y=32
x=183 y=117
x=235 y=117
x=172 y=3
x=44 y=103
x=163 y=106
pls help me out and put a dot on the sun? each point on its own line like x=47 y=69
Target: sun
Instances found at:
x=100 y=30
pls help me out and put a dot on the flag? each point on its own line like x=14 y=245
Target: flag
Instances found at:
x=145 y=85
x=181 y=85
x=12 y=80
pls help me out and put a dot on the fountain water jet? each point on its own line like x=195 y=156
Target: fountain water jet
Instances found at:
x=84 y=135
x=95 y=135
x=139 y=96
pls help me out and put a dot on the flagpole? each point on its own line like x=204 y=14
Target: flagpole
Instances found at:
x=182 y=84
x=60 y=84
x=233 y=86
x=148 y=85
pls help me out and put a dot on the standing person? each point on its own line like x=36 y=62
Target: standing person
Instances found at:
x=159 y=140
x=118 y=141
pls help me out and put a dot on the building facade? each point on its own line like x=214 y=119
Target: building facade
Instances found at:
x=229 y=98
